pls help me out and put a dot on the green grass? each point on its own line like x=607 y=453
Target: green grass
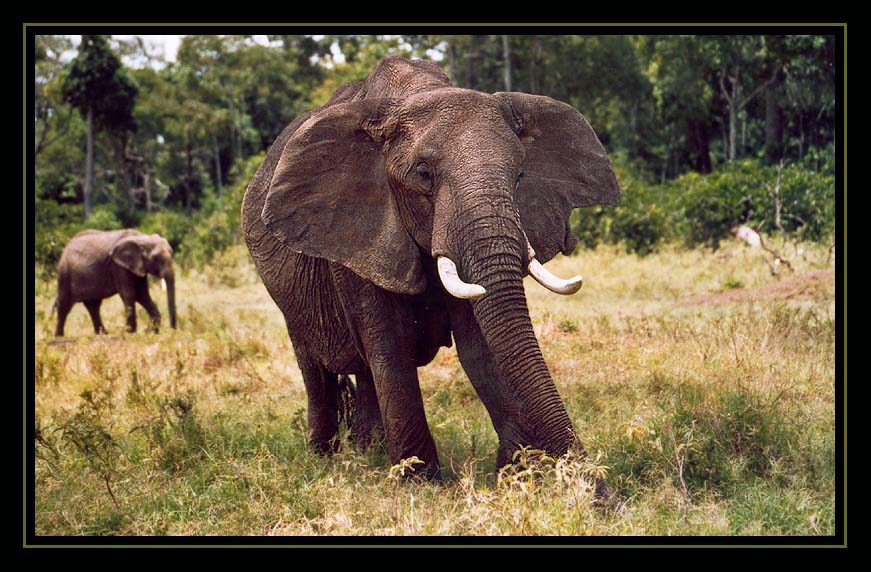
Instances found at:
x=701 y=383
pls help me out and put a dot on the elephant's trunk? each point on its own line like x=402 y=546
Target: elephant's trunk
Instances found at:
x=503 y=316
x=169 y=277
x=495 y=256
x=492 y=252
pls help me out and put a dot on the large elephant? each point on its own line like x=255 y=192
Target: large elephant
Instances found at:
x=404 y=211
x=99 y=264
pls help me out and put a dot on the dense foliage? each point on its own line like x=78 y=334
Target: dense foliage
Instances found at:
x=706 y=132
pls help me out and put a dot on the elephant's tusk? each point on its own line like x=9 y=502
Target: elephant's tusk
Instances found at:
x=163 y=284
x=553 y=283
x=454 y=284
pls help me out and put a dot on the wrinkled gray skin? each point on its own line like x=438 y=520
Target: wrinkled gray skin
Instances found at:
x=99 y=264
x=346 y=215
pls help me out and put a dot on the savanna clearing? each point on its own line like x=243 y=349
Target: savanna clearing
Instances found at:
x=701 y=383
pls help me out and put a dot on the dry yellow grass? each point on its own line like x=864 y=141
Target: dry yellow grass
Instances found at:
x=703 y=383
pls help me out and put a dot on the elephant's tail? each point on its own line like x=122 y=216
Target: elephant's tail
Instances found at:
x=346 y=396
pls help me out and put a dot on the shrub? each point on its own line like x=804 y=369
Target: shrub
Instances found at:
x=703 y=209
x=739 y=193
x=55 y=225
x=170 y=224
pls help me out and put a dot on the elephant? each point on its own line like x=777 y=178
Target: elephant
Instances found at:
x=406 y=212
x=98 y=264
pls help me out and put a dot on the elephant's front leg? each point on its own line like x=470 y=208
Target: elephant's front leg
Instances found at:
x=144 y=299
x=384 y=331
x=480 y=365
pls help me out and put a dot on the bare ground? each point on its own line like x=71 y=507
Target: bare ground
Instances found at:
x=817 y=285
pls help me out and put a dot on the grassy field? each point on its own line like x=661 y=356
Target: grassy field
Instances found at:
x=702 y=384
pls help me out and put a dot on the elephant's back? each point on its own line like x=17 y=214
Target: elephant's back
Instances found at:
x=96 y=239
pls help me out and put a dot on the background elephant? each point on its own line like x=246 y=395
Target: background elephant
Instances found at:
x=406 y=211
x=98 y=264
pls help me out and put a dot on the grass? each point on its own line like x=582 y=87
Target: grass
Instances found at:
x=701 y=383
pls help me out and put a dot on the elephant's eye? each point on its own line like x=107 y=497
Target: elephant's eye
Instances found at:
x=424 y=171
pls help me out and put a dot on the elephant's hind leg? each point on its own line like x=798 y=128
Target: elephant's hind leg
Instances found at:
x=323 y=414
x=63 y=309
x=93 y=307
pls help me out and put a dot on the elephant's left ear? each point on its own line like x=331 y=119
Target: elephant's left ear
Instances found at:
x=565 y=167
x=128 y=253
x=330 y=198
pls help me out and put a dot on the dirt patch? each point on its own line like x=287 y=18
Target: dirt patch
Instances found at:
x=816 y=285
x=95 y=339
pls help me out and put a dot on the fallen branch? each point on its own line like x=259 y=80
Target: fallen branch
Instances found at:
x=778 y=259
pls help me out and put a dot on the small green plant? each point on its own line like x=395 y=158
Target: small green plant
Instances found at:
x=88 y=434
x=173 y=434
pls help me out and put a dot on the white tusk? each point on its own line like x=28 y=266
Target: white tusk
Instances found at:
x=553 y=283
x=454 y=284
x=163 y=284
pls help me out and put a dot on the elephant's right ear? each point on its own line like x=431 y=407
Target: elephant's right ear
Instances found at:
x=128 y=253
x=329 y=197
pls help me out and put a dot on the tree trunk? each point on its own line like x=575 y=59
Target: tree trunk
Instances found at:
x=472 y=56
x=189 y=179
x=533 y=64
x=218 y=182
x=774 y=194
x=773 y=123
x=506 y=56
x=800 y=135
x=733 y=127
x=146 y=184
x=698 y=146
x=452 y=63
x=89 y=165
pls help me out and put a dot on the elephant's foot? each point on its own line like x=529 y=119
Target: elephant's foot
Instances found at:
x=324 y=446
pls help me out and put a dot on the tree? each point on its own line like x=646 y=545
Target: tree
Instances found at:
x=52 y=117
x=99 y=88
x=738 y=61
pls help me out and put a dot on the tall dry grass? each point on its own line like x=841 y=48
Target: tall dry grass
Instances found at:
x=701 y=383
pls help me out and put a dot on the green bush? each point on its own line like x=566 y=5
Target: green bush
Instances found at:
x=55 y=225
x=703 y=209
x=103 y=217
x=808 y=203
x=640 y=222
x=739 y=193
x=170 y=224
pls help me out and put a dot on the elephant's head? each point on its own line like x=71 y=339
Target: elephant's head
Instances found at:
x=474 y=181
x=144 y=254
